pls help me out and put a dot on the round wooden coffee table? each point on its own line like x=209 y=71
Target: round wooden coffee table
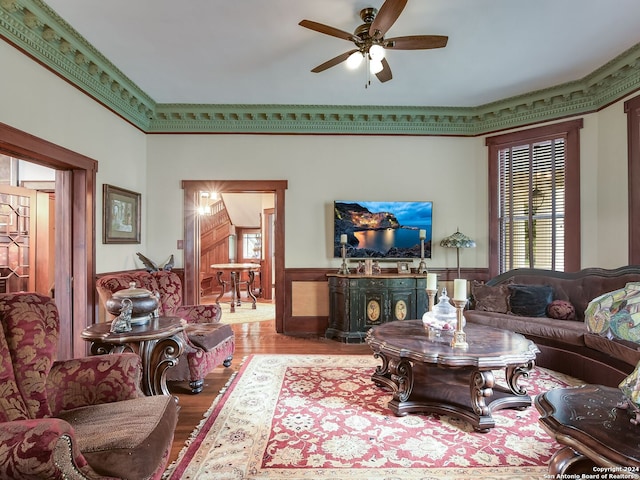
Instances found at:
x=431 y=376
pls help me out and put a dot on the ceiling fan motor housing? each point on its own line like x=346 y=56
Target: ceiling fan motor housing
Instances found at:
x=363 y=39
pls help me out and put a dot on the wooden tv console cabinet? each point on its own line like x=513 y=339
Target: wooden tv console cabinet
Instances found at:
x=359 y=302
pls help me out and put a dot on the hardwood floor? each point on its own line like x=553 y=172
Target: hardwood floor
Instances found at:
x=259 y=337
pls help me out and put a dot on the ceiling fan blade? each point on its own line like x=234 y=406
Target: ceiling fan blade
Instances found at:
x=384 y=75
x=334 y=61
x=387 y=15
x=327 y=30
x=416 y=42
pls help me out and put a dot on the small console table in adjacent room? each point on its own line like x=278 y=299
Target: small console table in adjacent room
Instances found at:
x=359 y=302
x=235 y=281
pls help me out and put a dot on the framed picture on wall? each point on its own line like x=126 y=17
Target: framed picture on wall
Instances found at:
x=404 y=268
x=120 y=215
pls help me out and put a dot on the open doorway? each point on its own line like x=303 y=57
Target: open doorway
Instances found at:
x=75 y=180
x=236 y=228
x=192 y=258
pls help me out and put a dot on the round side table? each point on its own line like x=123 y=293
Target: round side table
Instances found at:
x=158 y=343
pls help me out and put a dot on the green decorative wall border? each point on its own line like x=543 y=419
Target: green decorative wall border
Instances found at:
x=35 y=28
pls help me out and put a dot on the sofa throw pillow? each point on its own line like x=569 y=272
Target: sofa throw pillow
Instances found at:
x=616 y=314
x=561 y=310
x=530 y=300
x=489 y=298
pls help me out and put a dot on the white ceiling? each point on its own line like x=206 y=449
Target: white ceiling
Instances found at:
x=254 y=51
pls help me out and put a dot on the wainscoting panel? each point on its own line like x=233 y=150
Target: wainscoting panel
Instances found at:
x=309 y=299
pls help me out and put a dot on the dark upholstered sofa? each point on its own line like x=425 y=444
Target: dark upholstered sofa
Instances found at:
x=566 y=345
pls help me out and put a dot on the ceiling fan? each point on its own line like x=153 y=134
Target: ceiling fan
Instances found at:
x=370 y=41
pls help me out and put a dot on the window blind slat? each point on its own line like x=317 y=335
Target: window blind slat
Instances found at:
x=531 y=205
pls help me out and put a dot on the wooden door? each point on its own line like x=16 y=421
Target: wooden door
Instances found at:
x=266 y=270
x=18 y=213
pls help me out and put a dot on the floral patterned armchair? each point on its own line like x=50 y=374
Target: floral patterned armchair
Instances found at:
x=57 y=418
x=208 y=343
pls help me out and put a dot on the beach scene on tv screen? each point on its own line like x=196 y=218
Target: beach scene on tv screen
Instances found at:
x=382 y=229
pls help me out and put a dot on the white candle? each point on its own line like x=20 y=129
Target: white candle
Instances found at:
x=459 y=289
x=423 y=234
x=432 y=281
x=343 y=238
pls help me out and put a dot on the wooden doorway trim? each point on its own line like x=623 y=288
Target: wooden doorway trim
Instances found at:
x=266 y=275
x=75 y=231
x=191 y=244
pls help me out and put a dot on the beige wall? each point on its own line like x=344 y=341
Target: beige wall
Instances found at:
x=610 y=231
x=321 y=169
x=450 y=171
x=41 y=103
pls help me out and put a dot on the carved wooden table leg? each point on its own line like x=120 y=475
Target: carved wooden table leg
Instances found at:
x=235 y=294
x=401 y=372
x=382 y=376
x=252 y=277
x=513 y=374
x=158 y=343
x=223 y=284
x=481 y=387
x=567 y=461
x=157 y=356
x=396 y=375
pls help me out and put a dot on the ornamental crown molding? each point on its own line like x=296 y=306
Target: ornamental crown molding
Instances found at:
x=35 y=28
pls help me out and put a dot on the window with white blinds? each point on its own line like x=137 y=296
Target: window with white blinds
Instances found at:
x=531 y=202
x=534 y=198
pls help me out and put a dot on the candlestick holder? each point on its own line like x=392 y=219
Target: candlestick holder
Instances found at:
x=422 y=266
x=344 y=268
x=459 y=337
x=432 y=298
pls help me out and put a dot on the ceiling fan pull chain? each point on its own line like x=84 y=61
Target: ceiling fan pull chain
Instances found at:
x=367 y=73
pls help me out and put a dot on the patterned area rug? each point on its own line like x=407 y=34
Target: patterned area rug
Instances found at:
x=245 y=314
x=317 y=416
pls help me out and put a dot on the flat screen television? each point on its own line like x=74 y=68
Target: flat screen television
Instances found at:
x=382 y=229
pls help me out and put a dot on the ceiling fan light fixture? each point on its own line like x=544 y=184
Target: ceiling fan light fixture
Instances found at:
x=376 y=52
x=354 y=60
x=369 y=40
x=375 y=66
